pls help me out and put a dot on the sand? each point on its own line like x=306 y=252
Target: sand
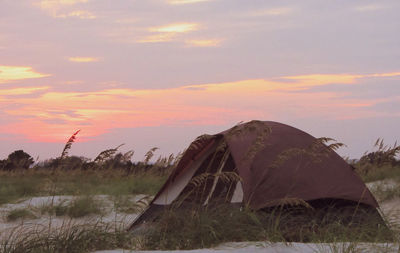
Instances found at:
x=390 y=209
x=258 y=247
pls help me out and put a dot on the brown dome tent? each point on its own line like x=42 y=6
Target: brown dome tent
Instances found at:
x=260 y=164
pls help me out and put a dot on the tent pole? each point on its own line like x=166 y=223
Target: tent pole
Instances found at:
x=222 y=164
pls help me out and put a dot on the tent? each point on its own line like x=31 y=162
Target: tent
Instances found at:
x=260 y=164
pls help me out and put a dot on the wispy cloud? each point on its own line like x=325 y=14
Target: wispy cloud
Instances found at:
x=180 y=2
x=83 y=59
x=204 y=43
x=272 y=12
x=391 y=74
x=322 y=79
x=52 y=4
x=62 y=8
x=78 y=14
x=13 y=73
x=22 y=91
x=97 y=112
x=128 y=21
x=369 y=7
x=161 y=37
x=167 y=32
x=175 y=28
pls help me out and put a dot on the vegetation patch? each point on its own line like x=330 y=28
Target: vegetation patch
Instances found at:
x=68 y=239
x=13 y=186
x=125 y=204
x=379 y=164
x=191 y=228
x=59 y=209
x=111 y=172
x=21 y=213
x=84 y=206
x=33 y=183
x=79 y=207
x=371 y=173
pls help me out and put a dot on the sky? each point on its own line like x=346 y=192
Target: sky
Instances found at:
x=158 y=73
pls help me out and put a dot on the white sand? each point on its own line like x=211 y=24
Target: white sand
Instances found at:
x=390 y=208
x=52 y=222
x=258 y=247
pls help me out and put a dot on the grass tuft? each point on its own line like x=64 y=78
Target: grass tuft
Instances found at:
x=70 y=238
x=125 y=204
x=79 y=207
x=84 y=206
x=20 y=213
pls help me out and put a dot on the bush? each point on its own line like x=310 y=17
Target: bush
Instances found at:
x=17 y=160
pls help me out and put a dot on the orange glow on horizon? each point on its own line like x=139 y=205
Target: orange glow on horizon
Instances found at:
x=51 y=115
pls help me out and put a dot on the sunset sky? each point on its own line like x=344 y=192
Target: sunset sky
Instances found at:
x=158 y=73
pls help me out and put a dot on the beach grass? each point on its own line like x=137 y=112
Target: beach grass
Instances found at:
x=25 y=184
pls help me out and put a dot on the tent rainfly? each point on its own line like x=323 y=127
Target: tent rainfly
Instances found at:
x=259 y=164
